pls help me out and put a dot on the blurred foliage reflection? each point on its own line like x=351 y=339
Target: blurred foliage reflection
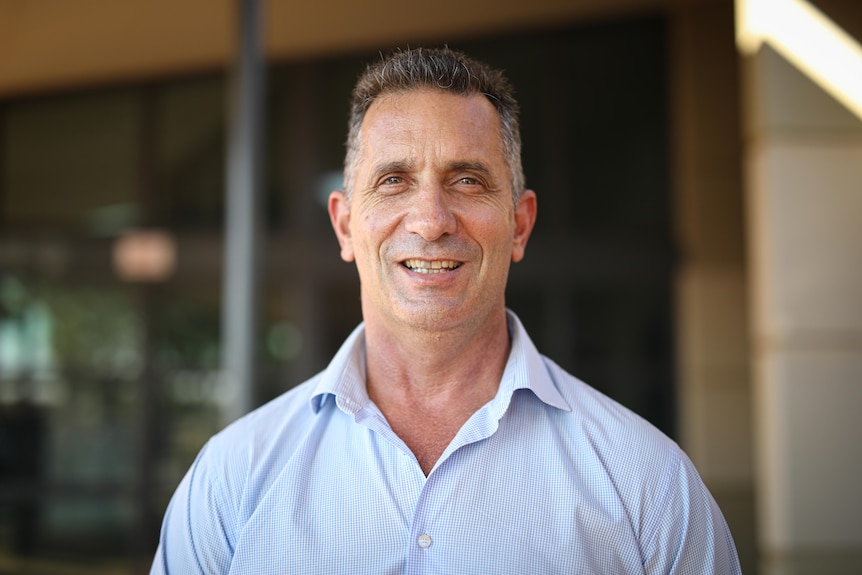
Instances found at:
x=109 y=389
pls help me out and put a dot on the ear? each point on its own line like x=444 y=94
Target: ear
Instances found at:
x=339 y=215
x=525 y=219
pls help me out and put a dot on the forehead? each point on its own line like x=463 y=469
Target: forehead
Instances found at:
x=425 y=118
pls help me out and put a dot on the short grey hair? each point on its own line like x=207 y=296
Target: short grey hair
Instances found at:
x=440 y=69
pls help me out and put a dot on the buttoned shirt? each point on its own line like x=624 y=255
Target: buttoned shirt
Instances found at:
x=550 y=476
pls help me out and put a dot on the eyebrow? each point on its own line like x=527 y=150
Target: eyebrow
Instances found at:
x=393 y=166
x=477 y=167
x=408 y=166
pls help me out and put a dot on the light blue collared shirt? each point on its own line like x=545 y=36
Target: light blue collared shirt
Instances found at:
x=548 y=477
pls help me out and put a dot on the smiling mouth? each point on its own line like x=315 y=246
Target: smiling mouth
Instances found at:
x=431 y=267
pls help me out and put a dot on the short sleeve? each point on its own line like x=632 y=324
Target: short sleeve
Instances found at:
x=197 y=531
x=689 y=535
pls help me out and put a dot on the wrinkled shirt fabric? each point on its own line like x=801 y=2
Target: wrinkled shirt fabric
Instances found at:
x=549 y=477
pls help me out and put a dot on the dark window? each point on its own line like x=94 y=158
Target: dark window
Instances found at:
x=109 y=388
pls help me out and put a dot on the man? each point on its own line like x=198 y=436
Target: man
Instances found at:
x=438 y=440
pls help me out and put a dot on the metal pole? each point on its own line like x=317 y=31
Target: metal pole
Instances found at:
x=242 y=253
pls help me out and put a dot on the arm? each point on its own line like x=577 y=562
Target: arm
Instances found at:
x=689 y=535
x=197 y=531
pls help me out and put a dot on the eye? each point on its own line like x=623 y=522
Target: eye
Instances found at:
x=391 y=184
x=467 y=181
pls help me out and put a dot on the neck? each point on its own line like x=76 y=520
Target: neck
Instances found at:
x=429 y=364
x=428 y=384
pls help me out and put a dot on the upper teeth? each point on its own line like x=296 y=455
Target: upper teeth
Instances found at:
x=431 y=267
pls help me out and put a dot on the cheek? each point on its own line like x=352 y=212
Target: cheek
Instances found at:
x=381 y=220
x=372 y=224
x=369 y=232
x=493 y=229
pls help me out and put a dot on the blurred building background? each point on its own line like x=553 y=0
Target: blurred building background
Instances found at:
x=697 y=253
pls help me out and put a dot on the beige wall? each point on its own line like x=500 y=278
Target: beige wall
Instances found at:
x=803 y=154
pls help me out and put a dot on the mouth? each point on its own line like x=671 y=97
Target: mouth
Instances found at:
x=430 y=267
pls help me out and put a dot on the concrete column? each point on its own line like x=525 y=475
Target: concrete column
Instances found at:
x=803 y=156
x=711 y=300
x=243 y=248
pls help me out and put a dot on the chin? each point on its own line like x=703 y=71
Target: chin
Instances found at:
x=443 y=316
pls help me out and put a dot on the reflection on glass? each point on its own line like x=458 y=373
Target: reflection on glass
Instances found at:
x=66 y=158
x=108 y=389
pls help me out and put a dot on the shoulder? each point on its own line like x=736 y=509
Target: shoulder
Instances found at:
x=604 y=418
x=281 y=413
x=639 y=460
x=665 y=498
x=220 y=491
x=584 y=413
x=239 y=465
x=248 y=453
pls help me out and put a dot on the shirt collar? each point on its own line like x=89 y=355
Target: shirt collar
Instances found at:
x=526 y=369
x=344 y=378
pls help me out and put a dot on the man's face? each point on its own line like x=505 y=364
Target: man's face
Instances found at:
x=431 y=222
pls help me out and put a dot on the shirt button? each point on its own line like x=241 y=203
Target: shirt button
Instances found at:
x=424 y=541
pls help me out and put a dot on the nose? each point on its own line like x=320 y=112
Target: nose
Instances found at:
x=430 y=214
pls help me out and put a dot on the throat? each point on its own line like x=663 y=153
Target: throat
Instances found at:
x=427 y=422
x=427 y=385
x=427 y=438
